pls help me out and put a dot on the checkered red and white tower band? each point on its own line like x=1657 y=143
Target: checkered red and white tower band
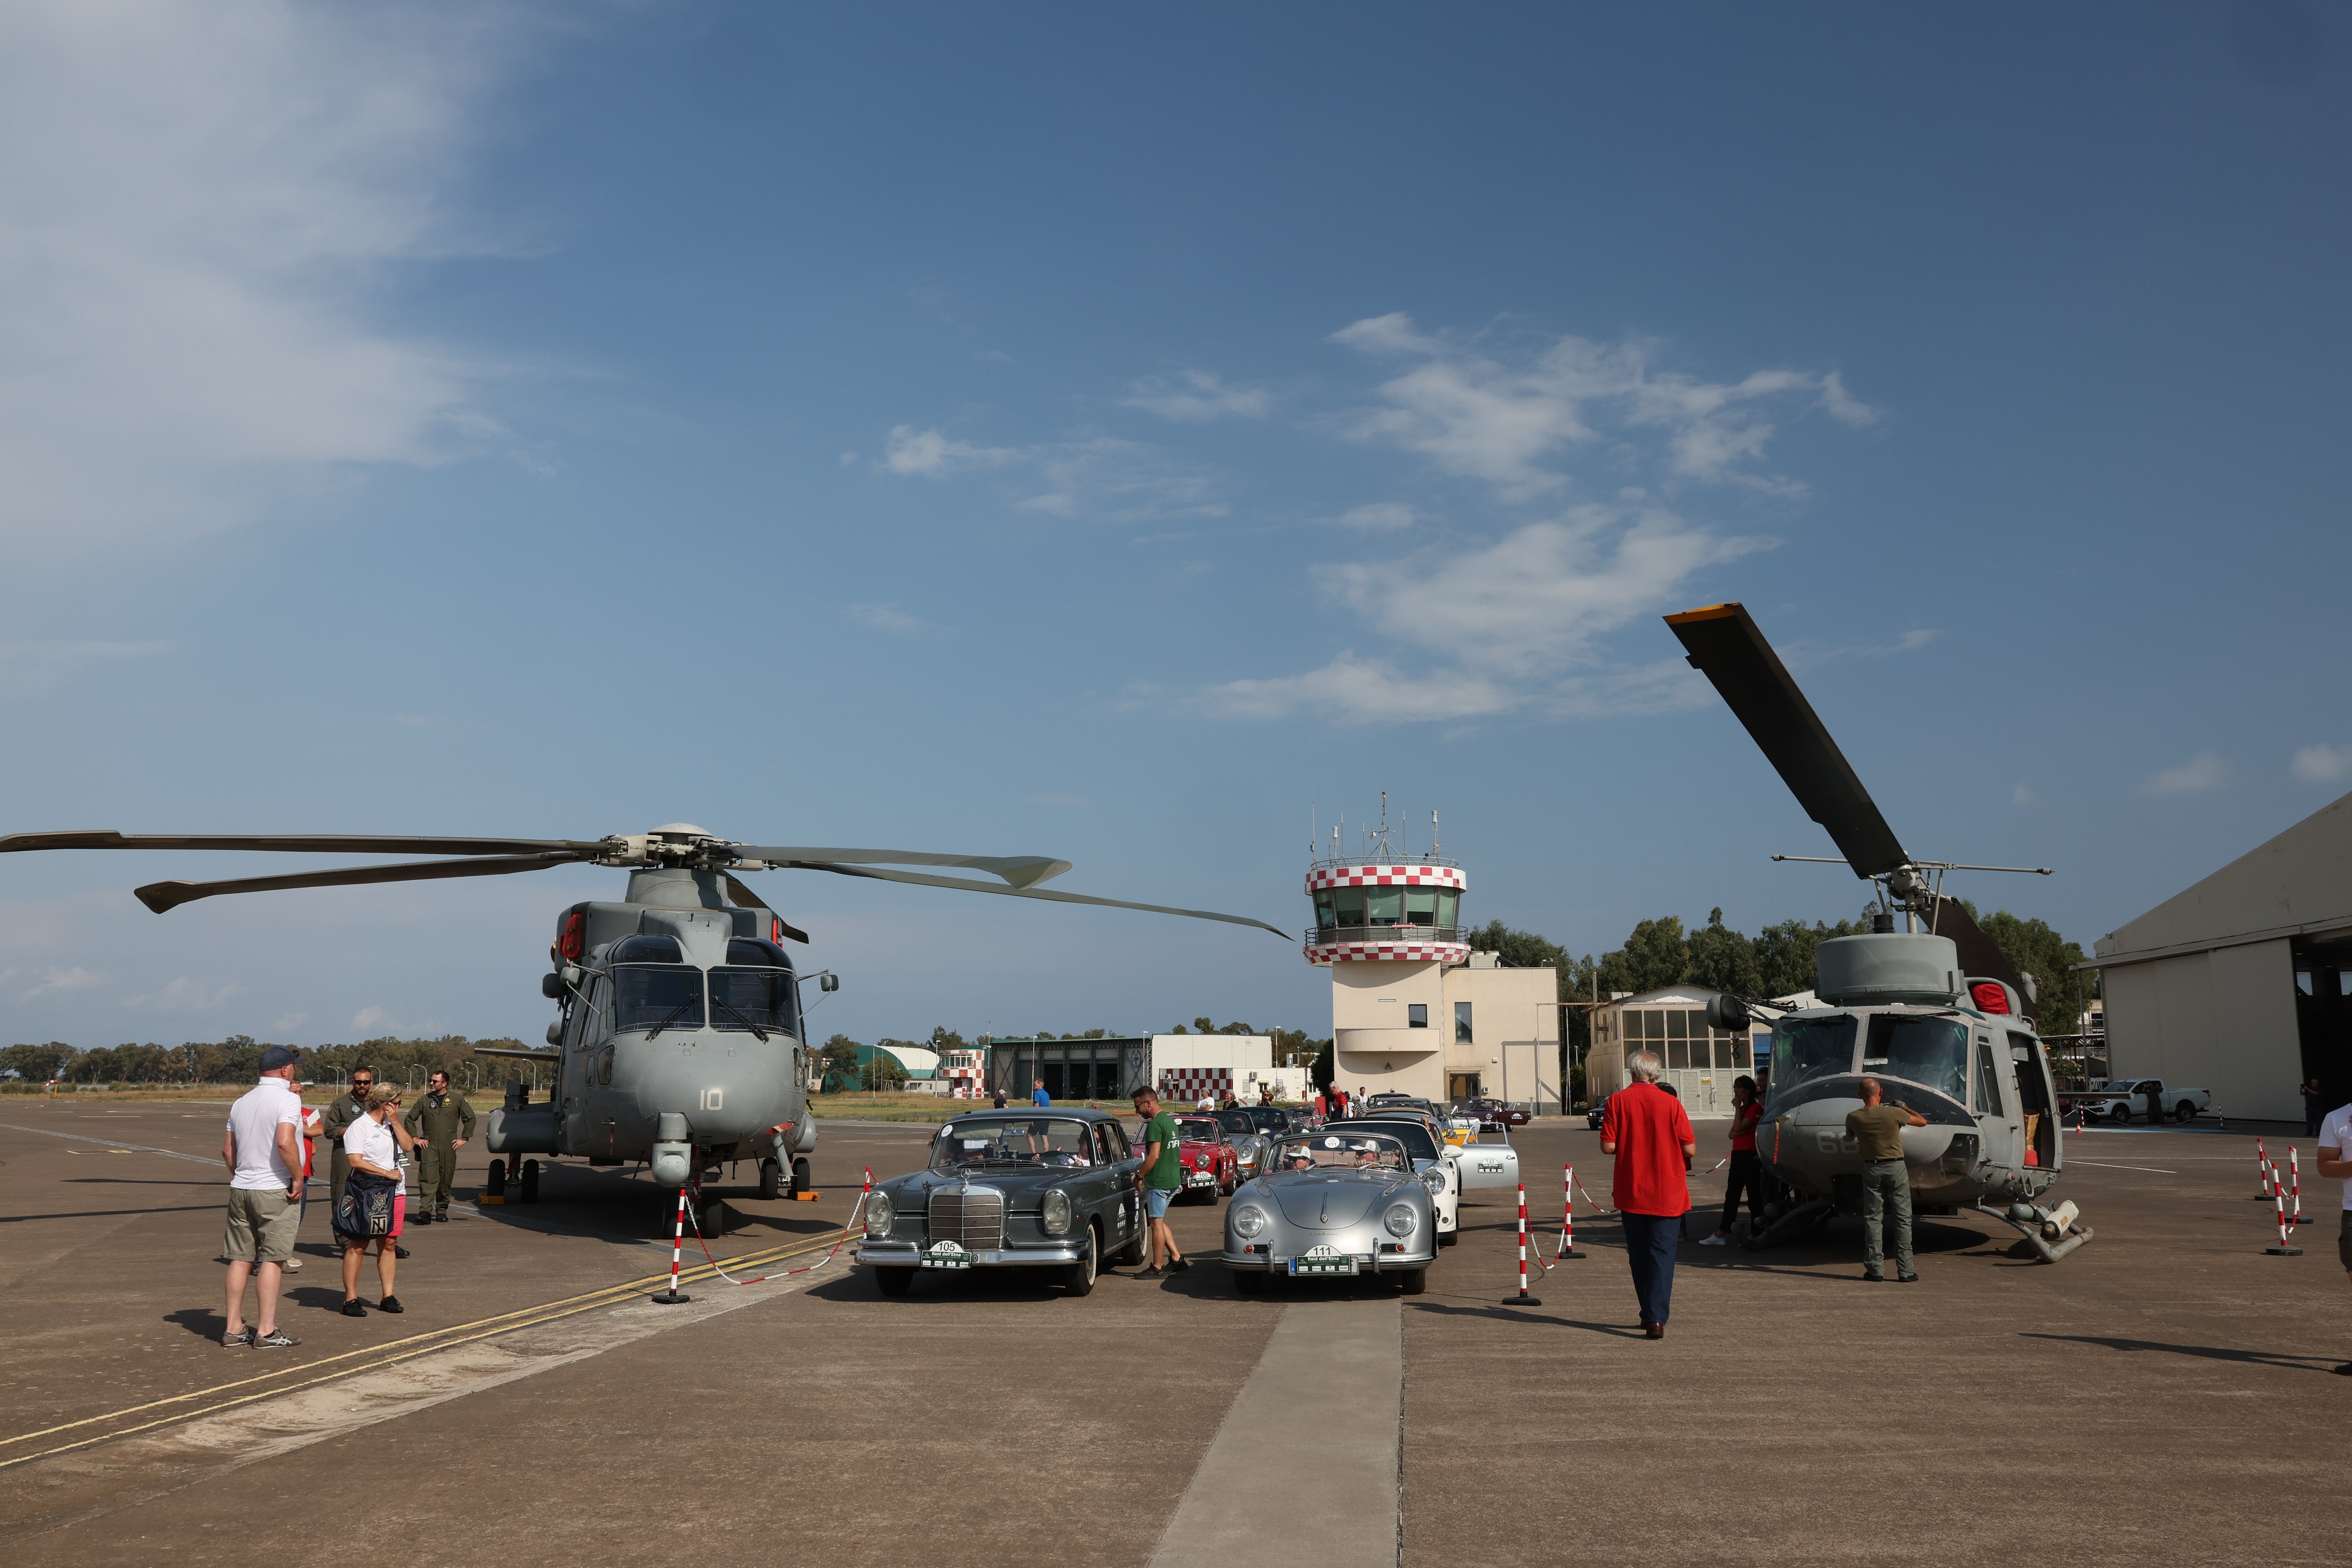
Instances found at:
x=1189 y=1084
x=1386 y=874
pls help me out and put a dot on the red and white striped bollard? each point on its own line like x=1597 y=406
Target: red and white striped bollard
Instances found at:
x=2278 y=1204
x=2263 y=1165
x=2295 y=1179
x=1523 y=1299
x=673 y=1296
x=1568 y=1213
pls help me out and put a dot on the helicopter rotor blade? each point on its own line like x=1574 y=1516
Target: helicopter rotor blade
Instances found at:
x=746 y=899
x=920 y=881
x=1726 y=647
x=162 y=897
x=295 y=844
x=1980 y=954
x=1021 y=870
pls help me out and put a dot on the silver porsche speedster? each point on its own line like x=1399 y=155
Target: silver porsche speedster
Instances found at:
x=1333 y=1204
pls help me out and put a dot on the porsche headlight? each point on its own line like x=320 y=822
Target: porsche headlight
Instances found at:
x=1056 y=1212
x=1434 y=1180
x=1399 y=1220
x=880 y=1217
x=1248 y=1220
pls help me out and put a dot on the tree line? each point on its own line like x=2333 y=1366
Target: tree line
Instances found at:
x=237 y=1059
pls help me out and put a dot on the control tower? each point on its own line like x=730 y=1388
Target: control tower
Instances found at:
x=1413 y=1008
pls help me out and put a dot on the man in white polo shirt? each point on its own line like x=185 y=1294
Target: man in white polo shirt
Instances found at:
x=263 y=1150
x=2336 y=1159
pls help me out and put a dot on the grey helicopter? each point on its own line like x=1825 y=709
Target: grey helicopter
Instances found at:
x=678 y=1040
x=1935 y=1012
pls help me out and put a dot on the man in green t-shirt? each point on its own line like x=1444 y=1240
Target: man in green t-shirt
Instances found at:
x=1877 y=1131
x=1163 y=1176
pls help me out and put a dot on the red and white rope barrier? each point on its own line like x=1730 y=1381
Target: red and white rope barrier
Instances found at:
x=2285 y=1247
x=856 y=1210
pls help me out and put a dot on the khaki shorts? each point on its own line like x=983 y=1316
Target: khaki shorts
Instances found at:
x=261 y=1226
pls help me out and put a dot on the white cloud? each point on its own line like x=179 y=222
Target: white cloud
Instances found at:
x=289 y=1022
x=35 y=667
x=886 y=618
x=1120 y=481
x=197 y=207
x=1499 y=416
x=2205 y=771
x=2022 y=797
x=1379 y=516
x=60 y=981
x=368 y=1018
x=933 y=456
x=2322 y=764
x=1198 y=396
x=1361 y=690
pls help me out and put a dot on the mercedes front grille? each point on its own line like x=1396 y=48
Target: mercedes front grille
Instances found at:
x=971 y=1215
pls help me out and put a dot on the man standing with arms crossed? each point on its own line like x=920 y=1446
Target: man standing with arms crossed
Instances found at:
x=263 y=1150
x=440 y=1123
x=2336 y=1159
x=1877 y=1130
x=1163 y=1174
x=1650 y=1132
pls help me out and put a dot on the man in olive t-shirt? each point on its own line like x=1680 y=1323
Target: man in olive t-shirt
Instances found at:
x=1163 y=1176
x=1877 y=1130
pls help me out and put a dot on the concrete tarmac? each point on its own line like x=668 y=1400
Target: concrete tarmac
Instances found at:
x=2163 y=1395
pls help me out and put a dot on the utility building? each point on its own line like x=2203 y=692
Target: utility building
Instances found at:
x=1700 y=1062
x=2243 y=985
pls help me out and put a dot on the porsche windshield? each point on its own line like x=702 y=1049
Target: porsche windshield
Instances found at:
x=657 y=996
x=1411 y=1134
x=1330 y=1150
x=1920 y=1047
x=1012 y=1141
x=1805 y=1048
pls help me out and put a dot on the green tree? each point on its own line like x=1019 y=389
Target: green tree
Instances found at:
x=2037 y=949
x=1653 y=957
x=37 y=1064
x=1722 y=959
x=882 y=1070
x=839 y=1056
x=944 y=1040
x=1784 y=954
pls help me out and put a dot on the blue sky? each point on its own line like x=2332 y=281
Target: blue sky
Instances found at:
x=1123 y=437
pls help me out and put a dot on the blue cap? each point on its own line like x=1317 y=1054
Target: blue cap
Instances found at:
x=276 y=1057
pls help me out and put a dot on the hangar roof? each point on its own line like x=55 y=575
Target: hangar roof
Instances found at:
x=2298 y=883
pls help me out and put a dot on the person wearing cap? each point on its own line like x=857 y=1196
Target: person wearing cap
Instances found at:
x=263 y=1150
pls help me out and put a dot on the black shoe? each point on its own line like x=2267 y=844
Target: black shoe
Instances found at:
x=440 y=1216
x=351 y=1309
x=2344 y=1371
x=425 y=1219
x=1873 y=1278
x=399 y=1251
x=1180 y=1265
x=1906 y=1279
x=390 y=1304
x=1148 y=1274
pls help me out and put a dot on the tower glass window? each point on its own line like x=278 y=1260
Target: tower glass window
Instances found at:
x=1384 y=906
x=1449 y=904
x=1420 y=906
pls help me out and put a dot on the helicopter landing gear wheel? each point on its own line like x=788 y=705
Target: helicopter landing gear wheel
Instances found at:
x=495 y=1186
x=772 y=1178
x=801 y=1176
x=530 y=1193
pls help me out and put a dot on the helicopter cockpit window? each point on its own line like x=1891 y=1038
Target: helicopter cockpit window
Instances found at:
x=759 y=1001
x=1805 y=1048
x=751 y=952
x=1921 y=1048
x=653 y=985
x=645 y=949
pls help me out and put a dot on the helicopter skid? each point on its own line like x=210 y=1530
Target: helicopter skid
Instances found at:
x=1801 y=1221
x=2048 y=1250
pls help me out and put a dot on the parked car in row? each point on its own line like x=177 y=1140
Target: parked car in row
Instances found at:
x=1491 y=1115
x=1211 y=1170
x=1337 y=1202
x=2119 y=1100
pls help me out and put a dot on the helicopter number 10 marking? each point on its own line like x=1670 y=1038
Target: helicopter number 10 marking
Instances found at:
x=712 y=1099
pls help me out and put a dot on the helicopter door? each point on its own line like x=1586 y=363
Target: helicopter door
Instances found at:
x=2032 y=1080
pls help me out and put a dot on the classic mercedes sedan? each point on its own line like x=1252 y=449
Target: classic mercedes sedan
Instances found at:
x=1012 y=1189
x=1334 y=1204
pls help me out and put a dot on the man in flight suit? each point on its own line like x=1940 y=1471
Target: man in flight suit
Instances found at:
x=441 y=1122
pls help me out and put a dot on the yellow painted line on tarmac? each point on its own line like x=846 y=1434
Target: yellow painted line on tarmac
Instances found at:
x=505 y=1322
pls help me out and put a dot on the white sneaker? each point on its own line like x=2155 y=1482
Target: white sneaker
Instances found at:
x=292 y=1264
x=1715 y=1241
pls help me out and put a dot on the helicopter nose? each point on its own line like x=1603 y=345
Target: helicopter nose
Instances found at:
x=722 y=1094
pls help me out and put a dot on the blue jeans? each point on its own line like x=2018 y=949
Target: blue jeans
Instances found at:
x=1650 y=1240
x=1155 y=1201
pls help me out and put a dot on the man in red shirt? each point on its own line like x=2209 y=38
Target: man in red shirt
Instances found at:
x=1650 y=1133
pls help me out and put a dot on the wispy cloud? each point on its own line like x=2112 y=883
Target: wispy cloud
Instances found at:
x=1379 y=517
x=60 y=982
x=1501 y=413
x=1198 y=396
x=197 y=209
x=368 y=1018
x=934 y=457
x=887 y=619
x=2021 y=795
x=1105 y=478
x=2205 y=771
x=28 y=668
x=2322 y=764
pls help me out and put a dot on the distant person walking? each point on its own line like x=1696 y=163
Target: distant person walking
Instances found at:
x=1163 y=1175
x=2336 y=1161
x=1039 y=1096
x=441 y=1122
x=369 y=1206
x=1650 y=1133
x=1746 y=1170
x=262 y=1148
x=1000 y=1096
x=1877 y=1128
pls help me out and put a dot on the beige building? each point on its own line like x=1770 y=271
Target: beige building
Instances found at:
x=1700 y=1062
x=1413 y=1008
x=2243 y=985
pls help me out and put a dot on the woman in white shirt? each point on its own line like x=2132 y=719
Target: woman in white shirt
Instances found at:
x=372 y=1145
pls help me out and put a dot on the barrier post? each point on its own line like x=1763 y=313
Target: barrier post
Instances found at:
x=1523 y=1299
x=2278 y=1204
x=2295 y=1180
x=673 y=1296
x=2263 y=1166
x=1567 y=1211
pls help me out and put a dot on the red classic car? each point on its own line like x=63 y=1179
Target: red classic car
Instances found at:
x=1211 y=1167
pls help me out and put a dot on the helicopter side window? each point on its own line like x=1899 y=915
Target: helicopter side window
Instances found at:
x=1805 y=1048
x=1922 y=1048
x=1988 y=1080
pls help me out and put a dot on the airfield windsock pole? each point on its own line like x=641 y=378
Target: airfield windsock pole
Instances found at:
x=2278 y=1204
x=673 y=1296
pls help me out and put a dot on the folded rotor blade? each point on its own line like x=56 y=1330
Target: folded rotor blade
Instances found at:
x=1021 y=870
x=746 y=899
x=306 y=844
x=918 y=880
x=164 y=896
x=1980 y=954
x=1726 y=647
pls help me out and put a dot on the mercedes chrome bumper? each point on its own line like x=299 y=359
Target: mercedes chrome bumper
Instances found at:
x=908 y=1254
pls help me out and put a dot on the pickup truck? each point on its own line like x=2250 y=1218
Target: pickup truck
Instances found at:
x=2119 y=1100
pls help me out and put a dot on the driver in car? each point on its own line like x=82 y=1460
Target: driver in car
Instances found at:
x=1300 y=1158
x=1367 y=1155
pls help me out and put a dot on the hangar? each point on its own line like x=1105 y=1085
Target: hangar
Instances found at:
x=2243 y=984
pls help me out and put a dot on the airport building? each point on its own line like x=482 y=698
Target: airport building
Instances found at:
x=1413 y=1008
x=1700 y=1062
x=2243 y=984
x=1181 y=1067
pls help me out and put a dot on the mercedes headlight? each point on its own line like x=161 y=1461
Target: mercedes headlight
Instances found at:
x=880 y=1217
x=1056 y=1212
x=1248 y=1220
x=1399 y=1220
